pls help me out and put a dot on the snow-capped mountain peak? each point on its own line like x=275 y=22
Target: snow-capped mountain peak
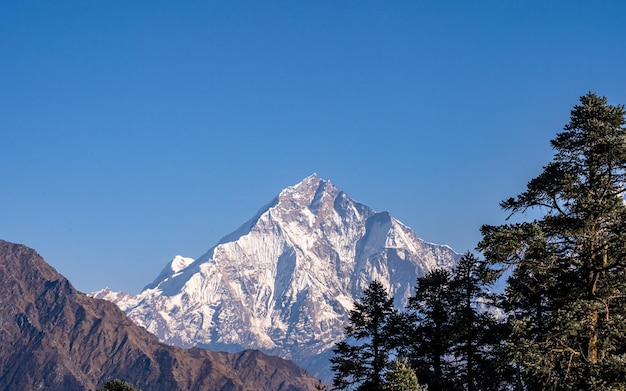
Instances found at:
x=285 y=280
x=179 y=263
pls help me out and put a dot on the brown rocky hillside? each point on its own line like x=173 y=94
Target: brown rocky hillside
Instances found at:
x=53 y=337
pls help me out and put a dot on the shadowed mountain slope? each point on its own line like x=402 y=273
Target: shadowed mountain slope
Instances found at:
x=53 y=337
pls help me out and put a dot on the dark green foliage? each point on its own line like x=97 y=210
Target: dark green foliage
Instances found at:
x=118 y=385
x=361 y=364
x=567 y=292
x=449 y=341
x=565 y=300
x=432 y=329
x=477 y=334
x=456 y=343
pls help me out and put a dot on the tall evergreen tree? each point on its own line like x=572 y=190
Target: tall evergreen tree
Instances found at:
x=361 y=360
x=476 y=333
x=567 y=292
x=456 y=341
x=431 y=336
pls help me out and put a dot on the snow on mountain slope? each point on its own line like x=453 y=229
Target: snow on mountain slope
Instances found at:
x=285 y=280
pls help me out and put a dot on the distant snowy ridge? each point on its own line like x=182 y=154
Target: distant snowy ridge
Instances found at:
x=285 y=280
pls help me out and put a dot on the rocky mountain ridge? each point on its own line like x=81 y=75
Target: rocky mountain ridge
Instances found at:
x=53 y=337
x=286 y=279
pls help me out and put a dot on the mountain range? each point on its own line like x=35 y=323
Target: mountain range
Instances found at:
x=55 y=338
x=285 y=281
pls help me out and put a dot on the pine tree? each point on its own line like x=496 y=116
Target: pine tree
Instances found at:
x=361 y=360
x=456 y=342
x=476 y=334
x=567 y=292
x=401 y=377
x=431 y=314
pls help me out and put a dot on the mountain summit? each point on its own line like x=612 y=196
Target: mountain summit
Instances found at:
x=285 y=280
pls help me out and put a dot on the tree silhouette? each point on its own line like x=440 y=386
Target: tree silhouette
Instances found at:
x=362 y=358
x=567 y=291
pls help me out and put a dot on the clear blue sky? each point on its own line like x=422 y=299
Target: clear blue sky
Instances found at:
x=132 y=131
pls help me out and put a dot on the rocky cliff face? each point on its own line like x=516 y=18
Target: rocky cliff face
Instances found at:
x=285 y=281
x=55 y=338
